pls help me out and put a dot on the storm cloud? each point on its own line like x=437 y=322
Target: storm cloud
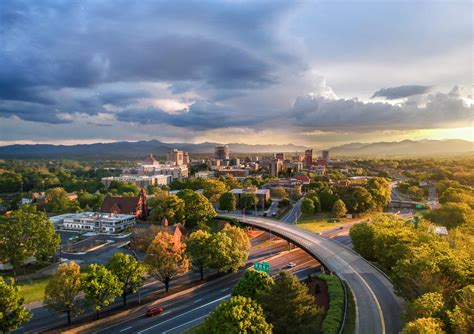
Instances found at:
x=438 y=110
x=394 y=93
x=198 y=68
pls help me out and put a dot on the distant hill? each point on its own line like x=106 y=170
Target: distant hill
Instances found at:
x=405 y=148
x=129 y=150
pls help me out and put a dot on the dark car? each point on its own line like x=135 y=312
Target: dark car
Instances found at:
x=154 y=311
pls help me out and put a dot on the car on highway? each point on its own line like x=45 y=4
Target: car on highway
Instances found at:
x=154 y=311
x=291 y=264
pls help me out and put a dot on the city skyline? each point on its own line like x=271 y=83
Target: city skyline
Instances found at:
x=317 y=74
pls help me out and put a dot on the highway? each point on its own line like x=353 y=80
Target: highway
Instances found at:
x=43 y=319
x=378 y=308
x=185 y=311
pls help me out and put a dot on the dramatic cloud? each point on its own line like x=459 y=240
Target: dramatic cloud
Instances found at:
x=439 y=110
x=205 y=70
x=394 y=93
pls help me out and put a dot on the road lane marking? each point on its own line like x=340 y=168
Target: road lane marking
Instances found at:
x=197 y=300
x=224 y=290
x=186 y=323
x=182 y=314
x=126 y=329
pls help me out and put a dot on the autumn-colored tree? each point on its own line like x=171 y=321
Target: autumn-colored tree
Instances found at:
x=63 y=289
x=424 y=326
x=166 y=258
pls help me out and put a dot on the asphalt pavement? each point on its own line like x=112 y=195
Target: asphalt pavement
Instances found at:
x=379 y=308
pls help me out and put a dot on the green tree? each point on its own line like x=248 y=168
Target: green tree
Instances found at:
x=327 y=198
x=251 y=283
x=197 y=207
x=363 y=240
x=26 y=233
x=100 y=287
x=461 y=318
x=91 y=202
x=166 y=258
x=12 y=312
x=451 y=215
x=240 y=248
x=236 y=315
x=128 y=271
x=288 y=305
x=279 y=192
x=10 y=182
x=227 y=202
x=248 y=200
x=424 y=326
x=170 y=206
x=221 y=256
x=307 y=206
x=198 y=248
x=122 y=187
x=62 y=292
x=428 y=305
x=213 y=189
x=339 y=209
x=364 y=200
x=380 y=190
x=58 y=202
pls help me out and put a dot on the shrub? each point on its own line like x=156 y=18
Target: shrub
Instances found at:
x=332 y=320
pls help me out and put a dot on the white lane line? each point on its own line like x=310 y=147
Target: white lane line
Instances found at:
x=126 y=329
x=197 y=300
x=224 y=290
x=182 y=314
x=186 y=323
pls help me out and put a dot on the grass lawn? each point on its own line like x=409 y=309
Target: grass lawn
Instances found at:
x=319 y=222
x=33 y=291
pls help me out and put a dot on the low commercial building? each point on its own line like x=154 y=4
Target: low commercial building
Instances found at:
x=263 y=195
x=93 y=222
x=205 y=174
x=130 y=205
x=176 y=172
x=142 y=181
x=236 y=172
x=288 y=184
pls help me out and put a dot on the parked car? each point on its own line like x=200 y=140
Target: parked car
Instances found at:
x=154 y=311
x=291 y=264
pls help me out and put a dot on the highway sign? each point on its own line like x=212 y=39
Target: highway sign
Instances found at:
x=262 y=266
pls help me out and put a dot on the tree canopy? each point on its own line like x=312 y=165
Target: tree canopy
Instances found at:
x=236 y=315
x=12 y=312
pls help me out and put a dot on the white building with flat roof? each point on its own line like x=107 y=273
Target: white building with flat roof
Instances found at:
x=93 y=222
x=176 y=172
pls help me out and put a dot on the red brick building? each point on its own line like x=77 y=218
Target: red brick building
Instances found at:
x=134 y=205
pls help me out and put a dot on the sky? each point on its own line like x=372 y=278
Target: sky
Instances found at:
x=313 y=73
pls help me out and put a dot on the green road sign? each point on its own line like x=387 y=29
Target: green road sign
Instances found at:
x=262 y=266
x=419 y=206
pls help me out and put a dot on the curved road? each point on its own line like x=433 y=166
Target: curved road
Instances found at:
x=378 y=308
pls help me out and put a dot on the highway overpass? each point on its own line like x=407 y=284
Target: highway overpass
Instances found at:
x=378 y=308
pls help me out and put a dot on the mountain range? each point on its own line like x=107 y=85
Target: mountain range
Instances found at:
x=137 y=150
